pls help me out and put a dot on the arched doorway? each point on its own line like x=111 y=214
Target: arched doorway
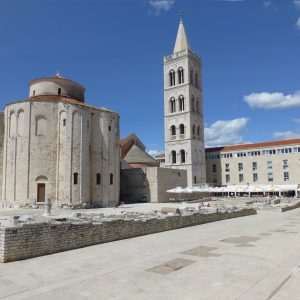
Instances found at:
x=41 y=189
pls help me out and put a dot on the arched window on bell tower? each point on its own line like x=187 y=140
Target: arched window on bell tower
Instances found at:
x=173 y=131
x=181 y=103
x=182 y=156
x=192 y=76
x=180 y=75
x=181 y=129
x=198 y=131
x=193 y=103
x=173 y=157
x=172 y=105
x=194 y=130
x=172 y=78
x=196 y=80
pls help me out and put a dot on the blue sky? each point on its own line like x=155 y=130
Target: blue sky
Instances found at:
x=250 y=53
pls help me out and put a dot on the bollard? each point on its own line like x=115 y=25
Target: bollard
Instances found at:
x=47 y=207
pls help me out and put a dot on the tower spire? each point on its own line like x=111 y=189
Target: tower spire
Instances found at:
x=182 y=42
x=181 y=16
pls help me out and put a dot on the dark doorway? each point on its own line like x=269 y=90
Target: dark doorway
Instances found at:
x=41 y=191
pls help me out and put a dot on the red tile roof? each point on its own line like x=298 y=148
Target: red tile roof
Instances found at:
x=246 y=146
x=160 y=155
x=127 y=143
x=65 y=100
x=252 y=146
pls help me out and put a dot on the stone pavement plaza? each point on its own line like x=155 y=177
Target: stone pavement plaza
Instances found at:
x=254 y=257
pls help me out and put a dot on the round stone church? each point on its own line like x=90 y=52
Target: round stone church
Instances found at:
x=55 y=144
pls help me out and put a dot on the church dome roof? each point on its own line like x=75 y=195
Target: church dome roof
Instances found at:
x=56 y=86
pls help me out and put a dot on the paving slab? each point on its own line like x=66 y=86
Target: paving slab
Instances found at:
x=192 y=263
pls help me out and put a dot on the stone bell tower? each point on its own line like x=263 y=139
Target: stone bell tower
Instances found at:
x=183 y=114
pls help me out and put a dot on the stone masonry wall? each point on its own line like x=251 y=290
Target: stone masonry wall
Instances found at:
x=1 y=150
x=48 y=142
x=168 y=179
x=37 y=239
x=150 y=184
x=133 y=185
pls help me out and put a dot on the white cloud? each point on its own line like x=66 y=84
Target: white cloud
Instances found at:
x=286 y=135
x=297 y=3
x=297 y=120
x=154 y=152
x=298 y=23
x=226 y=132
x=272 y=100
x=160 y=5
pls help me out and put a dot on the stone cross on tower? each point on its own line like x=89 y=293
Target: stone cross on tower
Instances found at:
x=184 y=132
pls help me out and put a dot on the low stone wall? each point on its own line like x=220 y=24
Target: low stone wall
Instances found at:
x=287 y=208
x=37 y=239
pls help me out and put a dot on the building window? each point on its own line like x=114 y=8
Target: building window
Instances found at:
x=269 y=164
x=254 y=166
x=241 y=167
x=181 y=103
x=172 y=105
x=198 y=130
x=111 y=178
x=270 y=177
x=241 y=177
x=214 y=168
x=20 y=126
x=98 y=178
x=59 y=91
x=173 y=131
x=172 y=77
x=196 y=80
x=191 y=76
x=227 y=168
x=64 y=122
x=109 y=128
x=40 y=126
x=75 y=178
x=182 y=156
x=288 y=150
x=197 y=106
x=255 y=177
x=180 y=75
x=195 y=179
x=285 y=164
x=33 y=93
x=227 y=178
x=181 y=129
x=193 y=103
x=227 y=155
x=286 y=176
x=194 y=129
x=173 y=157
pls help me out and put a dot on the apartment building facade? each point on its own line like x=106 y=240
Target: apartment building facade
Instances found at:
x=275 y=163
